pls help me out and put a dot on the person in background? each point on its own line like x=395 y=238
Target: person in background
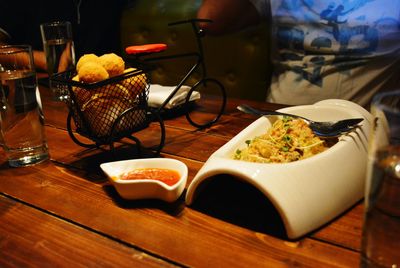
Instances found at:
x=95 y=24
x=345 y=49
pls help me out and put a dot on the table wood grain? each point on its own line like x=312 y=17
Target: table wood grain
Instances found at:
x=64 y=213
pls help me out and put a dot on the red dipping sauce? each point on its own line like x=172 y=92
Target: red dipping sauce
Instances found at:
x=167 y=176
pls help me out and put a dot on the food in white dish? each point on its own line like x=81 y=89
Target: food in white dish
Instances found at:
x=306 y=193
x=287 y=140
x=123 y=176
x=164 y=175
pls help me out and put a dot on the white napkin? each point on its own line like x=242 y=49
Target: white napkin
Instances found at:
x=158 y=94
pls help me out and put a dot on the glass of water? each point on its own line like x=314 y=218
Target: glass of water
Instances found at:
x=58 y=46
x=381 y=230
x=21 y=118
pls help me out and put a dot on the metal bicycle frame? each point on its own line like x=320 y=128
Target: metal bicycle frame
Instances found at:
x=199 y=56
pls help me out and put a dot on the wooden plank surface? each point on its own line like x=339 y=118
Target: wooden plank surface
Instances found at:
x=29 y=234
x=172 y=231
x=71 y=193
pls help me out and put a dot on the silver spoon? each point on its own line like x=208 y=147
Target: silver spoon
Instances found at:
x=322 y=129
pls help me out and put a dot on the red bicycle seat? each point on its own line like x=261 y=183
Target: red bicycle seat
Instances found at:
x=144 y=49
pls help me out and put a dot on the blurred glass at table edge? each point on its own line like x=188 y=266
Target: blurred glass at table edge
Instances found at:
x=22 y=121
x=381 y=231
x=59 y=50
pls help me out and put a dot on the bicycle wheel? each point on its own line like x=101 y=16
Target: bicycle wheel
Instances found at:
x=71 y=133
x=210 y=105
x=150 y=138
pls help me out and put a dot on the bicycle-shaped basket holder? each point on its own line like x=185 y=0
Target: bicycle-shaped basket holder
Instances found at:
x=205 y=84
x=107 y=111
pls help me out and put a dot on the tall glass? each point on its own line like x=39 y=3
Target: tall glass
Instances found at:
x=381 y=230
x=21 y=118
x=58 y=46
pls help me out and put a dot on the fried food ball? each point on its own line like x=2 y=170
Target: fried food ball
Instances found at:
x=113 y=63
x=101 y=113
x=112 y=91
x=75 y=78
x=86 y=58
x=81 y=95
x=135 y=84
x=91 y=72
x=98 y=111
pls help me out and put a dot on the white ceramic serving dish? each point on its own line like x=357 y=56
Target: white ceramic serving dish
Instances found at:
x=306 y=193
x=146 y=189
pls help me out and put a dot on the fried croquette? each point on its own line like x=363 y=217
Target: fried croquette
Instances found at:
x=91 y=72
x=115 y=91
x=113 y=64
x=86 y=58
x=101 y=113
x=135 y=84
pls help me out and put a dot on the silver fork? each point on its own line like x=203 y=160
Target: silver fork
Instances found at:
x=322 y=129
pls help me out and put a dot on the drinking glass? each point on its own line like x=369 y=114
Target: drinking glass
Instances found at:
x=21 y=118
x=381 y=230
x=58 y=46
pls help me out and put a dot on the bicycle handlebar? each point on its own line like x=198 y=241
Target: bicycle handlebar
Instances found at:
x=189 y=21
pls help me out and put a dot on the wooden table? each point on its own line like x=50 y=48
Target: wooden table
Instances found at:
x=65 y=213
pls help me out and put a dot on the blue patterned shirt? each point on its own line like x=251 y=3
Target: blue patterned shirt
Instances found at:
x=346 y=49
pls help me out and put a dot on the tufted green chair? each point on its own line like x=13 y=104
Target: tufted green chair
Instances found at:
x=239 y=61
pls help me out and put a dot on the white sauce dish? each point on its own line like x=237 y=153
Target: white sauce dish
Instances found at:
x=149 y=188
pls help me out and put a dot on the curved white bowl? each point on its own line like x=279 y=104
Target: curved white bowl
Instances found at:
x=144 y=189
x=306 y=193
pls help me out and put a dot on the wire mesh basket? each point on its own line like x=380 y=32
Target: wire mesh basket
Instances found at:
x=108 y=110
